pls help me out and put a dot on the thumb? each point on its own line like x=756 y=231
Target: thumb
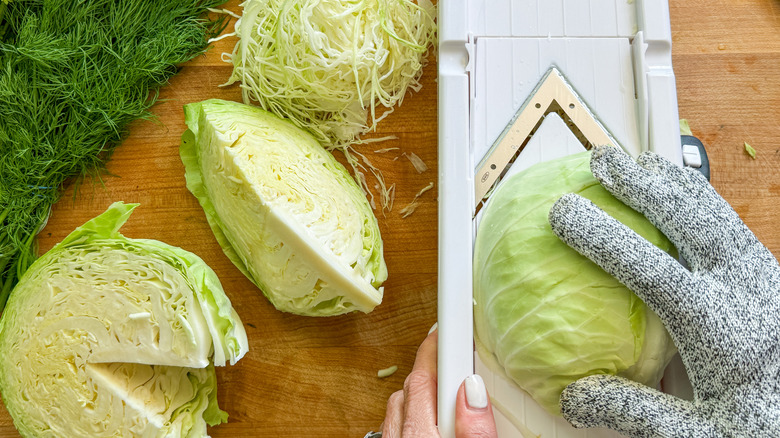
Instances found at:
x=630 y=408
x=473 y=411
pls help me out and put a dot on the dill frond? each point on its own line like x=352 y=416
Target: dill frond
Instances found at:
x=73 y=75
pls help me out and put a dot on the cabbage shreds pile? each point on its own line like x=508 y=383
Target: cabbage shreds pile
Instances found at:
x=106 y=336
x=73 y=75
x=327 y=64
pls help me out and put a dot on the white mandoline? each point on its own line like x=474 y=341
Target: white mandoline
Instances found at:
x=493 y=54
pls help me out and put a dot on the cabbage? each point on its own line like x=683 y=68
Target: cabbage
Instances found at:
x=106 y=336
x=285 y=212
x=327 y=64
x=546 y=315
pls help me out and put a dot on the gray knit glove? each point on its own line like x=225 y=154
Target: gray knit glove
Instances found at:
x=723 y=313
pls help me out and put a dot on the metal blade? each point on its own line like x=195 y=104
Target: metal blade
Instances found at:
x=552 y=94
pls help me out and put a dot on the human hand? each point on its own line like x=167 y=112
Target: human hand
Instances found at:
x=723 y=313
x=411 y=412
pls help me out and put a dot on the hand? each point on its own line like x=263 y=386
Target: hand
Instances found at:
x=723 y=312
x=411 y=412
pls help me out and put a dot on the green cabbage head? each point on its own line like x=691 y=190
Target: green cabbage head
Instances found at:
x=546 y=315
x=106 y=336
x=287 y=214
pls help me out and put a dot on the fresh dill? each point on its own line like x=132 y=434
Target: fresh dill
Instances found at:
x=73 y=75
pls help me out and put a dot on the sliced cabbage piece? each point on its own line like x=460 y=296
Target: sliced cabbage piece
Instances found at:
x=287 y=214
x=106 y=336
x=545 y=315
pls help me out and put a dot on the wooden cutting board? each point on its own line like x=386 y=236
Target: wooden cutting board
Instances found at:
x=317 y=376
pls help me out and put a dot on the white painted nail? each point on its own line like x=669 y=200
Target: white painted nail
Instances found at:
x=476 y=393
x=433 y=328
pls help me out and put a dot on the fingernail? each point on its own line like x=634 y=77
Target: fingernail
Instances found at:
x=476 y=394
x=433 y=328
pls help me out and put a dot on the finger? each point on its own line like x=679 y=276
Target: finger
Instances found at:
x=690 y=180
x=473 y=412
x=696 y=185
x=653 y=275
x=707 y=231
x=420 y=392
x=630 y=408
x=394 y=416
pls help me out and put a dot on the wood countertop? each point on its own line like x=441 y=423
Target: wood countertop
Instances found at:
x=318 y=376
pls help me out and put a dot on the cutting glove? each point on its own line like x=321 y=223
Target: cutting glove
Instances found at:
x=723 y=311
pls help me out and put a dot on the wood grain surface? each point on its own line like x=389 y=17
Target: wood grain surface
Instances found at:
x=317 y=376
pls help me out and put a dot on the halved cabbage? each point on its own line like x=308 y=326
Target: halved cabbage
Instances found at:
x=546 y=315
x=106 y=336
x=287 y=214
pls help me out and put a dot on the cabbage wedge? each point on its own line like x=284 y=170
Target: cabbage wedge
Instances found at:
x=545 y=315
x=106 y=336
x=287 y=214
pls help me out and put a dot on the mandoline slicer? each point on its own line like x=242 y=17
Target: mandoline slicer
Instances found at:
x=524 y=81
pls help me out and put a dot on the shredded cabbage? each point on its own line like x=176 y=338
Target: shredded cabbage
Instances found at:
x=412 y=206
x=685 y=127
x=106 y=336
x=750 y=150
x=417 y=162
x=326 y=64
x=387 y=372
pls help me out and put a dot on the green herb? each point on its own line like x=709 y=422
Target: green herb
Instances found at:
x=73 y=75
x=3 y=6
x=750 y=151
